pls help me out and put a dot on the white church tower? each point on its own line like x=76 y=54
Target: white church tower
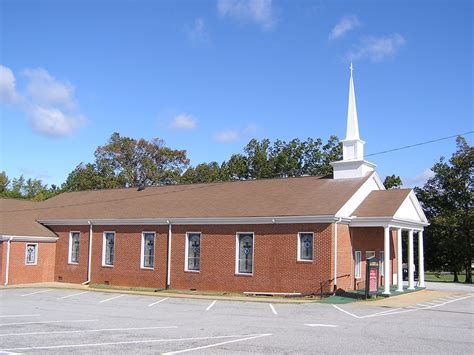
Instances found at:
x=352 y=164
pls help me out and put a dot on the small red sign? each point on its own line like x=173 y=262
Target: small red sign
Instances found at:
x=373 y=280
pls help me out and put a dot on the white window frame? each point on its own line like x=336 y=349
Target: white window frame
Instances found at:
x=69 y=255
x=299 y=248
x=237 y=254
x=370 y=251
x=381 y=262
x=36 y=254
x=142 y=252
x=104 y=246
x=186 y=252
x=358 y=264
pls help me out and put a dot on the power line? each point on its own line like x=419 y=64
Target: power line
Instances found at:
x=418 y=144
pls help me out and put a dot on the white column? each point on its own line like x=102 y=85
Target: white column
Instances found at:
x=411 y=271
x=399 y=261
x=421 y=261
x=386 y=265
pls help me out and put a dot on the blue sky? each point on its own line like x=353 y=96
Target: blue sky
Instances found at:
x=206 y=76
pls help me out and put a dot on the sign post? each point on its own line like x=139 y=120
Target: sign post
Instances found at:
x=371 y=277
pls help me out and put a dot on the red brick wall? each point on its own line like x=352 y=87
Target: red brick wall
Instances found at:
x=65 y=272
x=2 y=263
x=126 y=270
x=371 y=239
x=276 y=268
x=20 y=273
x=345 y=258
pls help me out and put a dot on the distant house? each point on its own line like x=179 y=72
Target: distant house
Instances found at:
x=293 y=235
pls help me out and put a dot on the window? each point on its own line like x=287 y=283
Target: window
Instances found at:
x=381 y=264
x=357 y=270
x=193 y=251
x=74 y=247
x=244 y=253
x=108 y=249
x=369 y=254
x=148 y=250
x=305 y=246
x=31 y=254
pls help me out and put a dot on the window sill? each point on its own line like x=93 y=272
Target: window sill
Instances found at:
x=29 y=264
x=107 y=266
x=71 y=263
x=243 y=274
x=301 y=261
x=147 y=268
x=193 y=271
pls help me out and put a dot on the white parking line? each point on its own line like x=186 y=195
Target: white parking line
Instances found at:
x=217 y=344
x=242 y=337
x=35 y=293
x=152 y=304
x=73 y=295
x=52 y=321
x=111 y=298
x=347 y=312
x=211 y=305
x=19 y=315
x=322 y=325
x=88 y=331
x=273 y=309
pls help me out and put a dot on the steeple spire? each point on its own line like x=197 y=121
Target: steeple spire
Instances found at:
x=352 y=121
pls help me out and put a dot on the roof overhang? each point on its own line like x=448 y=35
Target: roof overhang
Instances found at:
x=27 y=238
x=392 y=222
x=196 y=221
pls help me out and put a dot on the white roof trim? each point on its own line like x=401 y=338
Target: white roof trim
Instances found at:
x=387 y=222
x=190 y=221
x=27 y=238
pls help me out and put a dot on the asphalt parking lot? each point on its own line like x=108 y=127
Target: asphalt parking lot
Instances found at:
x=60 y=321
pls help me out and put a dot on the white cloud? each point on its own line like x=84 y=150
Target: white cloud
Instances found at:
x=345 y=24
x=418 y=180
x=377 y=48
x=232 y=135
x=227 y=136
x=198 y=33
x=8 y=94
x=49 y=103
x=260 y=12
x=52 y=122
x=183 y=122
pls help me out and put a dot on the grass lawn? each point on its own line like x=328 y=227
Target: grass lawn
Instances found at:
x=443 y=277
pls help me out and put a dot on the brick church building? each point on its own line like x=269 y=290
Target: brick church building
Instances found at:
x=292 y=235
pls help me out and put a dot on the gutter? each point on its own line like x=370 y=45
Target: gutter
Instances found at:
x=89 y=264
x=168 y=266
x=7 y=268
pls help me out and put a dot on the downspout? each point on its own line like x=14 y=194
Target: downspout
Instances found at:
x=168 y=266
x=335 y=252
x=89 y=265
x=7 y=267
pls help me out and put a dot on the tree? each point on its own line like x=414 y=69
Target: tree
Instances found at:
x=392 y=182
x=204 y=172
x=447 y=199
x=30 y=189
x=4 y=182
x=127 y=162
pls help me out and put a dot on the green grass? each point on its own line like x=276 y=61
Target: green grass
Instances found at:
x=443 y=277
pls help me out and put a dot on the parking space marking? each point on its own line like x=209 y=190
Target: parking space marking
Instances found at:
x=51 y=321
x=322 y=325
x=273 y=309
x=19 y=315
x=344 y=311
x=111 y=298
x=217 y=344
x=35 y=293
x=152 y=304
x=211 y=305
x=73 y=295
x=88 y=331
x=64 y=346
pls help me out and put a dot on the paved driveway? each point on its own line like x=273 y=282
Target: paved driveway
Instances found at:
x=58 y=321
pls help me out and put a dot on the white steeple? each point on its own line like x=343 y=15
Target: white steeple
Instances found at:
x=353 y=163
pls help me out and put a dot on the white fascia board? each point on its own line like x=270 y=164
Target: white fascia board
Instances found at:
x=410 y=206
x=27 y=238
x=373 y=183
x=200 y=220
x=387 y=222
